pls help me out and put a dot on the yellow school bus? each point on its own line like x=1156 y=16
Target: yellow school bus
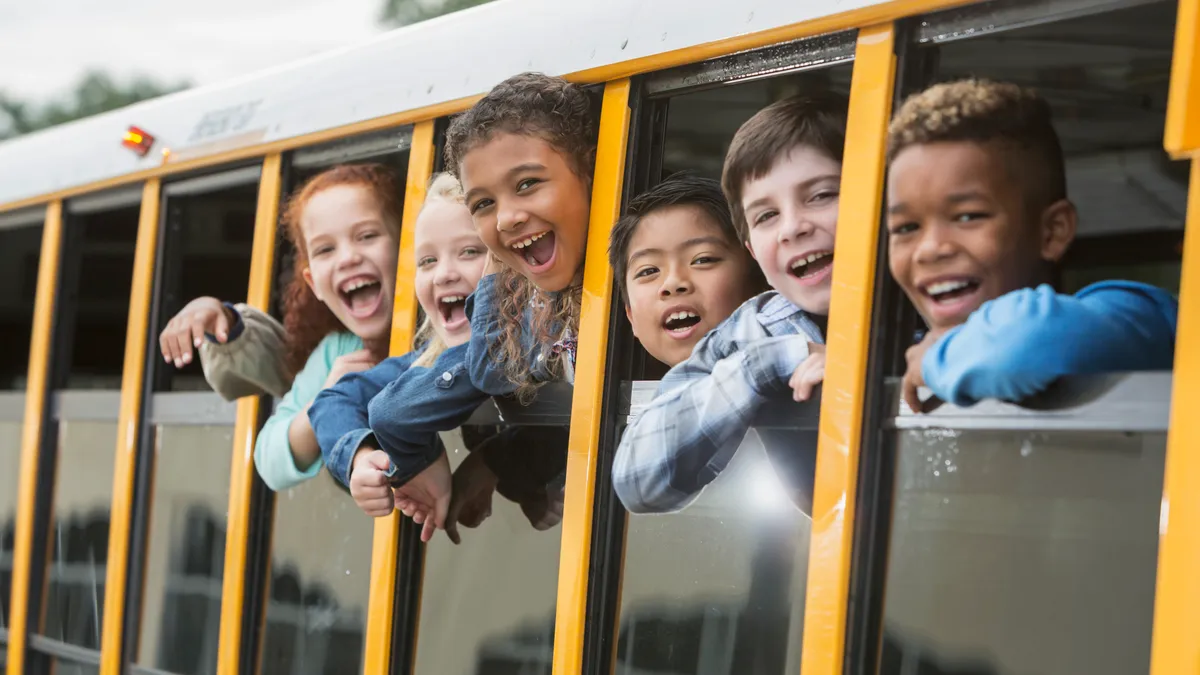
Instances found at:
x=1058 y=537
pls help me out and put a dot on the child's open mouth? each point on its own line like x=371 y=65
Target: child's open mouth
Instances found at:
x=812 y=268
x=951 y=296
x=537 y=250
x=453 y=311
x=681 y=323
x=361 y=295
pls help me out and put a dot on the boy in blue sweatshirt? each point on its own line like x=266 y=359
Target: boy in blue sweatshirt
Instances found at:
x=978 y=220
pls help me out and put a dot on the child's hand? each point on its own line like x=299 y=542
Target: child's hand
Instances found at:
x=809 y=373
x=426 y=497
x=185 y=331
x=913 y=379
x=354 y=362
x=369 y=482
x=471 y=497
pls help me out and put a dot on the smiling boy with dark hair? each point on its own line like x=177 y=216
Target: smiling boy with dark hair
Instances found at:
x=978 y=222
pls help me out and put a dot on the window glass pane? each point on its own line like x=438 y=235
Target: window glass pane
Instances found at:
x=209 y=242
x=98 y=257
x=181 y=609
x=10 y=470
x=1106 y=78
x=719 y=586
x=320 y=581
x=20 y=249
x=1022 y=552
x=82 y=503
x=488 y=604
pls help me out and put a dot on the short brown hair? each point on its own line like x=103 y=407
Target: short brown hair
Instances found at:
x=982 y=111
x=680 y=189
x=533 y=104
x=817 y=121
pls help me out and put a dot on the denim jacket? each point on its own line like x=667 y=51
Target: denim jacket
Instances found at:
x=402 y=408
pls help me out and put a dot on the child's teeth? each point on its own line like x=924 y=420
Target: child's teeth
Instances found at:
x=946 y=287
x=452 y=298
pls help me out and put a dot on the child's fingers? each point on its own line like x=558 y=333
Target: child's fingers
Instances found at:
x=428 y=530
x=909 y=389
x=380 y=460
x=221 y=326
x=198 y=329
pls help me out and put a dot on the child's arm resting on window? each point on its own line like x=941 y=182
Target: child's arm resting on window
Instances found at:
x=410 y=411
x=339 y=413
x=686 y=436
x=1019 y=344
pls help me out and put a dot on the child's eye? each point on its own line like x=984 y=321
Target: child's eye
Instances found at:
x=970 y=216
x=824 y=196
x=706 y=260
x=369 y=234
x=645 y=272
x=471 y=252
x=480 y=205
x=526 y=184
x=426 y=261
x=321 y=250
x=765 y=216
x=903 y=228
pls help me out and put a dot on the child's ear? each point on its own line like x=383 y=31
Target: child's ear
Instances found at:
x=307 y=274
x=751 y=250
x=1059 y=221
x=629 y=316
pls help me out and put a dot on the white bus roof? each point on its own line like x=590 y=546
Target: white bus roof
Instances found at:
x=430 y=63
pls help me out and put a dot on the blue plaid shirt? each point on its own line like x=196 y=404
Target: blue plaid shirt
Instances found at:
x=686 y=436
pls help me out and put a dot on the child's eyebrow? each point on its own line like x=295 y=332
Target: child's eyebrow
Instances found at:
x=695 y=241
x=522 y=168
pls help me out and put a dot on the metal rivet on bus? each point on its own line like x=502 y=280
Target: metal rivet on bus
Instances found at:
x=447 y=376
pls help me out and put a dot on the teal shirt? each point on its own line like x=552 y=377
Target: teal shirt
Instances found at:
x=273 y=453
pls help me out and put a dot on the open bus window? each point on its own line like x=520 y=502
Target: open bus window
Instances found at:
x=1020 y=548
x=719 y=586
x=20 y=248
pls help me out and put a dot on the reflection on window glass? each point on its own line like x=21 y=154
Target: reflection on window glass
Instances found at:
x=20 y=249
x=719 y=586
x=82 y=503
x=1023 y=552
x=1106 y=78
x=320 y=581
x=61 y=667
x=100 y=247
x=10 y=465
x=185 y=560
x=211 y=237
x=487 y=604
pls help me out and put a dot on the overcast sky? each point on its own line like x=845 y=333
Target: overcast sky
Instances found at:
x=45 y=45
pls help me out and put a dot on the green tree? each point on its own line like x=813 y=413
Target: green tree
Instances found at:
x=95 y=93
x=405 y=12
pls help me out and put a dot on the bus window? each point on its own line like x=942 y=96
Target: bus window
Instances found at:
x=320 y=547
x=87 y=358
x=205 y=243
x=1017 y=545
x=20 y=248
x=487 y=605
x=719 y=586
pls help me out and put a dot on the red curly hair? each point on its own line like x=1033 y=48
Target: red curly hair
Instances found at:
x=307 y=320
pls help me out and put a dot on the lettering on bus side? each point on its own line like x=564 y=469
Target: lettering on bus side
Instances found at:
x=224 y=121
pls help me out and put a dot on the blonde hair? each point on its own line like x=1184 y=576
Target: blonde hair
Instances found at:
x=443 y=187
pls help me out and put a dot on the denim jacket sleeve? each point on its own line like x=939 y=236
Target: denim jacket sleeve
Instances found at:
x=486 y=329
x=339 y=413
x=410 y=411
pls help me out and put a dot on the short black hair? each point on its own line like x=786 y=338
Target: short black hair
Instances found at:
x=681 y=189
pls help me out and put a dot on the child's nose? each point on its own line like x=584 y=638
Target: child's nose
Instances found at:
x=510 y=219
x=675 y=284
x=795 y=227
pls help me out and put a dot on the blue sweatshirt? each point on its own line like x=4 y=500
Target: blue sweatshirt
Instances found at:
x=1018 y=344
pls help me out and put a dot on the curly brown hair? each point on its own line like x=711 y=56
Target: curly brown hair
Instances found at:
x=983 y=111
x=307 y=320
x=559 y=113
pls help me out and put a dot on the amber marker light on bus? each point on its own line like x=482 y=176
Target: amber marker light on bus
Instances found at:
x=138 y=141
